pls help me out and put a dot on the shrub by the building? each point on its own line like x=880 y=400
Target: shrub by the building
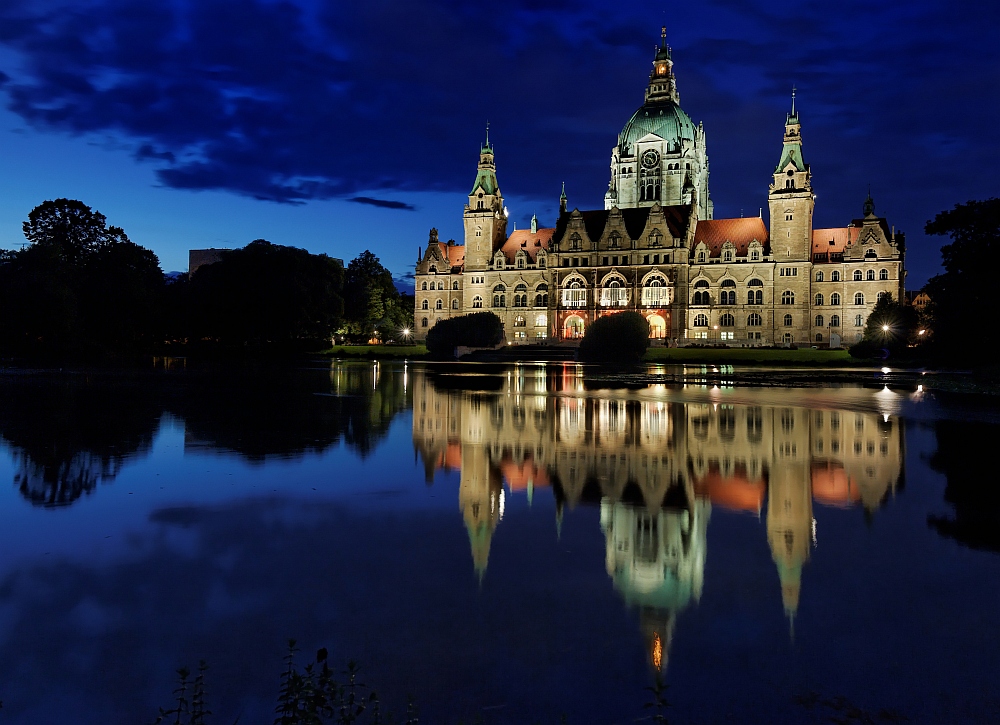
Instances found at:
x=619 y=338
x=482 y=329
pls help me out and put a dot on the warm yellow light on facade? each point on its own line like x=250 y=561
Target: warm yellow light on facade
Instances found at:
x=657 y=651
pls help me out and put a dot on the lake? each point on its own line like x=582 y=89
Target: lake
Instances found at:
x=503 y=544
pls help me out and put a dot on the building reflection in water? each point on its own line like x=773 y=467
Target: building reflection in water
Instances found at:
x=656 y=468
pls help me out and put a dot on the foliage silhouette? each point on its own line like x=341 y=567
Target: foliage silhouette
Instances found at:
x=372 y=304
x=80 y=287
x=890 y=328
x=480 y=329
x=967 y=281
x=266 y=295
x=622 y=337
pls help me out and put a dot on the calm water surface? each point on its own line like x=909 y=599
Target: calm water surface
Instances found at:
x=505 y=543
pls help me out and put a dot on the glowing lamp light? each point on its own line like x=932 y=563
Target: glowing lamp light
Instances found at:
x=922 y=332
x=886 y=370
x=885 y=328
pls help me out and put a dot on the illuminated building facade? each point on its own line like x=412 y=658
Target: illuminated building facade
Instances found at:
x=655 y=248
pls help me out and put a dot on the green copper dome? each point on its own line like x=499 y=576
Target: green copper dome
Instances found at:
x=666 y=120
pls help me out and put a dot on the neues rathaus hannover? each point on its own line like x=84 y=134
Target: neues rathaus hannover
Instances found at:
x=656 y=248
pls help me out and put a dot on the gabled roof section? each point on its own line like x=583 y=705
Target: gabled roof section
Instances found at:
x=530 y=242
x=741 y=232
x=454 y=255
x=834 y=240
x=677 y=218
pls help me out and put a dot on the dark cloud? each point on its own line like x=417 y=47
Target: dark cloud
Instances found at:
x=290 y=102
x=382 y=203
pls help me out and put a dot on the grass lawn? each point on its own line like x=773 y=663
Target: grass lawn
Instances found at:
x=749 y=355
x=377 y=351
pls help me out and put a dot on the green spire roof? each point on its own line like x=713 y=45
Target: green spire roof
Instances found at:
x=486 y=179
x=791 y=153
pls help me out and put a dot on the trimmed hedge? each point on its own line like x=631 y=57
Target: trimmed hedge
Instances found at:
x=619 y=338
x=481 y=329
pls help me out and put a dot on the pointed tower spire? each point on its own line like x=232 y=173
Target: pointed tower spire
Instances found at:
x=793 y=114
x=563 y=199
x=869 y=207
x=662 y=83
x=487 y=144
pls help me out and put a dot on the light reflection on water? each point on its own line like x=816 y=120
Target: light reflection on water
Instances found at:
x=784 y=541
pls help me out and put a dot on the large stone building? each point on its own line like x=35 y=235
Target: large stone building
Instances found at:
x=657 y=249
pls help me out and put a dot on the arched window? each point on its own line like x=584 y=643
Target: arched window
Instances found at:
x=859 y=299
x=540 y=321
x=439 y=305
x=701 y=257
x=727 y=256
x=519 y=321
x=477 y=302
x=521 y=295
x=870 y=275
x=819 y=320
x=834 y=320
x=540 y=261
x=883 y=274
x=857 y=275
x=819 y=337
x=788 y=320
x=728 y=296
x=520 y=262
x=819 y=276
x=441 y=286
x=835 y=275
x=614 y=240
x=819 y=300
x=727 y=320
x=454 y=304
x=754 y=256
x=423 y=286
x=425 y=305
x=879 y=296
x=835 y=299
x=859 y=321
x=701 y=321
x=423 y=322
x=788 y=297
x=454 y=285
x=701 y=294
x=756 y=295
x=754 y=320
x=499 y=298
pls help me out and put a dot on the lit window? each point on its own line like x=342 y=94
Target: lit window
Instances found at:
x=788 y=320
x=883 y=274
x=835 y=299
x=859 y=298
x=788 y=297
x=857 y=275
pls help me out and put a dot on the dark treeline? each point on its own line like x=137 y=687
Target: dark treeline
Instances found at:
x=81 y=288
x=71 y=432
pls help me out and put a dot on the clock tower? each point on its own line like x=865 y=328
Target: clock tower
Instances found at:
x=485 y=216
x=660 y=157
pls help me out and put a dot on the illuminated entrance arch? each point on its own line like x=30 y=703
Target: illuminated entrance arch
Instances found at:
x=657 y=327
x=573 y=327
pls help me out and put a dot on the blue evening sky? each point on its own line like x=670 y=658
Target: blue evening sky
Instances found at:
x=341 y=126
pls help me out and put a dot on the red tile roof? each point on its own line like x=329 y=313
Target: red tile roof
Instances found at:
x=527 y=240
x=455 y=254
x=716 y=232
x=833 y=240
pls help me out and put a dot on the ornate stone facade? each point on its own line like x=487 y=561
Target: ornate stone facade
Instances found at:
x=657 y=249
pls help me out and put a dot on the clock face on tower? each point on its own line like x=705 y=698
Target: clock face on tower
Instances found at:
x=650 y=159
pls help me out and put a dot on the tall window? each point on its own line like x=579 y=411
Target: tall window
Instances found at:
x=439 y=305
x=859 y=321
x=728 y=295
x=655 y=293
x=423 y=322
x=727 y=320
x=835 y=298
x=819 y=300
x=423 y=286
x=819 y=276
x=521 y=296
x=834 y=320
x=883 y=274
x=819 y=320
x=574 y=295
x=788 y=320
x=755 y=296
x=540 y=321
x=425 y=305
x=788 y=297
x=754 y=320
x=870 y=275
x=857 y=275
x=835 y=276
x=859 y=299
x=499 y=296
x=727 y=256
x=454 y=285
x=477 y=302
x=454 y=304
x=701 y=321
x=701 y=294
